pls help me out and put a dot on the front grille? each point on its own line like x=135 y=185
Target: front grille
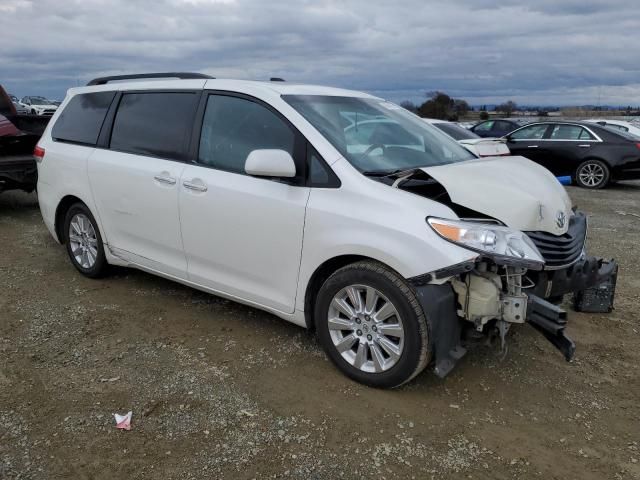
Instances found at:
x=562 y=250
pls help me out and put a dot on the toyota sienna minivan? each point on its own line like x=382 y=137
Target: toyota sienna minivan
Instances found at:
x=332 y=209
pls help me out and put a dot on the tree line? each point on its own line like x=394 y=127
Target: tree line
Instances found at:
x=441 y=106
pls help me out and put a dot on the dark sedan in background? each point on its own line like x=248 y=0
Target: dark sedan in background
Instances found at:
x=495 y=128
x=592 y=155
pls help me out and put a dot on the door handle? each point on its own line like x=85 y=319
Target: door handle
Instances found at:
x=167 y=180
x=197 y=187
x=532 y=146
x=584 y=145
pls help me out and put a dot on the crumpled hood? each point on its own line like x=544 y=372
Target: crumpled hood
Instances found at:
x=518 y=192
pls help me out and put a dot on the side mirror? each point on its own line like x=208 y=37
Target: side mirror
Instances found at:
x=270 y=163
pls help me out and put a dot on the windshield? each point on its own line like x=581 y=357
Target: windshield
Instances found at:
x=456 y=131
x=377 y=136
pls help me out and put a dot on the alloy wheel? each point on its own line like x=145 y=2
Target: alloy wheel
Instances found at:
x=366 y=328
x=591 y=175
x=83 y=241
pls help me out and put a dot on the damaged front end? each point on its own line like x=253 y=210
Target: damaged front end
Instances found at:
x=519 y=281
x=530 y=247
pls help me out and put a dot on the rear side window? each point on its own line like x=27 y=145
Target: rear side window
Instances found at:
x=533 y=132
x=156 y=123
x=569 y=132
x=81 y=120
x=233 y=127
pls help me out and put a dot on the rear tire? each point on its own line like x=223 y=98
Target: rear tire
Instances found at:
x=372 y=326
x=84 y=242
x=593 y=174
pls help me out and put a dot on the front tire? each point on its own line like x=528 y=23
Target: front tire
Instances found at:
x=372 y=326
x=593 y=174
x=84 y=242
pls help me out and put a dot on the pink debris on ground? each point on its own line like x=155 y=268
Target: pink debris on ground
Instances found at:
x=123 y=421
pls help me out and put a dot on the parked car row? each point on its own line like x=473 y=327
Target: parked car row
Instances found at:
x=593 y=152
x=39 y=105
x=593 y=155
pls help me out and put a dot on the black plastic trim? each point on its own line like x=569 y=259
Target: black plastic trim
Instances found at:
x=445 y=327
x=142 y=76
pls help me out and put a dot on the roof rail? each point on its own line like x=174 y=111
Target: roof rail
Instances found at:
x=143 y=76
x=276 y=79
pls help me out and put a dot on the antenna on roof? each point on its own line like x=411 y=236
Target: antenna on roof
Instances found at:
x=276 y=79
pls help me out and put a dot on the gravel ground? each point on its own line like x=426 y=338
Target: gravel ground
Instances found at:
x=220 y=390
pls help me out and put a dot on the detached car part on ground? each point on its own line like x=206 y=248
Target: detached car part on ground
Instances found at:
x=332 y=209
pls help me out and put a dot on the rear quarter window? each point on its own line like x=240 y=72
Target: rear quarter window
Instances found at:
x=156 y=124
x=82 y=118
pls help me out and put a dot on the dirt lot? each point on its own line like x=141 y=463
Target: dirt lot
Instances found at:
x=219 y=390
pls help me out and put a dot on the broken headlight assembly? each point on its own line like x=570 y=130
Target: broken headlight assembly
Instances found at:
x=503 y=245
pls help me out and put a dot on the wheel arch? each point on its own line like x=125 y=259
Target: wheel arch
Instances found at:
x=594 y=157
x=61 y=210
x=321 y=274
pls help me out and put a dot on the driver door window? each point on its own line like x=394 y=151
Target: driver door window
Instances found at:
x=233 y=127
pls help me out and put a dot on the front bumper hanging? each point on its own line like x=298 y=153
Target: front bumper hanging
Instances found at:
x=550 y=320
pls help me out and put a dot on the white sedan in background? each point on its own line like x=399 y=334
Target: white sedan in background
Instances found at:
x=621 y=125
x=481 y=147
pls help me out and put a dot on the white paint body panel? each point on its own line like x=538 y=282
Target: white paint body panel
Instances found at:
x=243 y=236
x=139 y=212
x=518 y=192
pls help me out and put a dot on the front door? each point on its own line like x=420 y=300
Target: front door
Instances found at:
x=242 y=234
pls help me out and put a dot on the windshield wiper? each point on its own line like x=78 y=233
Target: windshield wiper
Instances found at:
x=381 y=173
x=402 y=175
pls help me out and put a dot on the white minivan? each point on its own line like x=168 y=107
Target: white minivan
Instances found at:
x=394 y=243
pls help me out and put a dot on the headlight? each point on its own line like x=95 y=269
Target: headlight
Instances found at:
x=502 y=244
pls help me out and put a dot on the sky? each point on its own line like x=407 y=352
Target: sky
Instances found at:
x=546 y=52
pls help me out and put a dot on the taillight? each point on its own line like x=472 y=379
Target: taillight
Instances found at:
x=638 y=145
x=38 y=153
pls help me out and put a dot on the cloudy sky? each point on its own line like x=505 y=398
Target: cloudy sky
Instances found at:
x=486 y=51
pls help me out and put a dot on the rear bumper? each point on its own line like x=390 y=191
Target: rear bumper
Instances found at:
x=48 y=202
x=18 y=173
x=626 y=171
